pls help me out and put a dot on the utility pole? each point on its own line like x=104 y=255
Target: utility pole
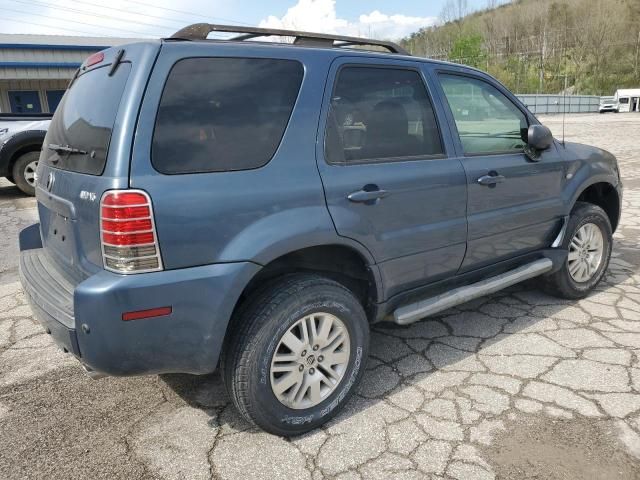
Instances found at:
x=543 y=48
x=635 y=68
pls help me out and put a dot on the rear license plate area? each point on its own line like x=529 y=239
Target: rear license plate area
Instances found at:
x=58 y=237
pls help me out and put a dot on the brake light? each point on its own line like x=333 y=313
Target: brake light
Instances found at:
x=127 y=232
x=94 y=59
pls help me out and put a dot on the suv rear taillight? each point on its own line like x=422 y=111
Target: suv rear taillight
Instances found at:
x=128 y=232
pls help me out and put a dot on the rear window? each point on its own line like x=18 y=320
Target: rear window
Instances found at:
x=223 y=114
x=84 y=120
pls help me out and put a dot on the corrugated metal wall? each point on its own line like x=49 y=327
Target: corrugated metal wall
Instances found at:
x=23 y=55
x=555 y=103
x=37 y=73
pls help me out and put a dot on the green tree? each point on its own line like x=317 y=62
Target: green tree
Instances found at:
x=543 y=46
x=467 y=49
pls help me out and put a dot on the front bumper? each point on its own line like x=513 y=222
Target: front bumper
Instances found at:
x=188 y=340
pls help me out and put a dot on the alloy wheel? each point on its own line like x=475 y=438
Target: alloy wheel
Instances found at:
x=310 y=360
x=30 y=173
x=586 y=252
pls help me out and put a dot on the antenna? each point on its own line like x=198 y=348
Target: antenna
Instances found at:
x=564 y=92
x=564 y=102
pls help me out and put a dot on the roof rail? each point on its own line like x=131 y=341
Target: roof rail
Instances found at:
x=200 y=31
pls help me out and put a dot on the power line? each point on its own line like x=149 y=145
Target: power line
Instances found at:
x=71 y=21
x=99 y=15
x=7 y=19
x=128 y=12
x=183 y=12
x=89 y=14
x=206 y=17
x=111 y=17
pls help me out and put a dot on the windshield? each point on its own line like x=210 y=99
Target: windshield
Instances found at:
x=79 y=135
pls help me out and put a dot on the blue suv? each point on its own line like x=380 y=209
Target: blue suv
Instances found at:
x=255 y=206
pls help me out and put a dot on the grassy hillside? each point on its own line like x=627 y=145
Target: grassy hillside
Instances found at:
x=541 y=46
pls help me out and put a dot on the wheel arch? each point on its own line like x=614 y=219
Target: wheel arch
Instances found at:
x=341 y=262
x=605 y=195
x=21 y=143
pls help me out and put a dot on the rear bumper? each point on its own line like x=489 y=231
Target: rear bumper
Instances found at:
x=48 y=290
x=188 y=340
x=64 y=336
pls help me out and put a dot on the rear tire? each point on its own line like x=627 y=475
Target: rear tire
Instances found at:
x=24 y=172
x=589 y=239
x=261 y=354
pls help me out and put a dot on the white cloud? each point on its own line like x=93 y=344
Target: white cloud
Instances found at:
x=321 y=16
x=315 y=15
x=394 y=26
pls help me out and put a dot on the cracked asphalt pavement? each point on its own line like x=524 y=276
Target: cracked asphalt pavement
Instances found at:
x=515 y=385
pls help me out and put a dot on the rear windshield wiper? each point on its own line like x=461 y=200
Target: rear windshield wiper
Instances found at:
x=66 y=149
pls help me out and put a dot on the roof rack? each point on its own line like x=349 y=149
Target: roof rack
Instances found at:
x=200 y=31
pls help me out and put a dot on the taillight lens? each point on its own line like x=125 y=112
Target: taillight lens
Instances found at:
x=128 y=233
x=94 y=59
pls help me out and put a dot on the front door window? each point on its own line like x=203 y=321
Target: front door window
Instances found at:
x=487 y=121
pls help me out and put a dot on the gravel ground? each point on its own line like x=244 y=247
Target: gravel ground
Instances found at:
x=515 y=385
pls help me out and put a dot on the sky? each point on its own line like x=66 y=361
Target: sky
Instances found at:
x=160 y=18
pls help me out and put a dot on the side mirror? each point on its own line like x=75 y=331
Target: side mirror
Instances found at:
x=539 y=137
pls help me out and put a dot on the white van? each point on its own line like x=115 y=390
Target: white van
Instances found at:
x=628 y=99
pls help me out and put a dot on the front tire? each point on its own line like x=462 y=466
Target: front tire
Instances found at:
x=24 y=172
x=295 y=353
x=588 y=239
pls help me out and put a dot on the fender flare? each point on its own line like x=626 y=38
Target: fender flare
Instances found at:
x=614 y=212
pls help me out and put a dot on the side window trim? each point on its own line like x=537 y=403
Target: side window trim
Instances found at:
x=332 y=82
x=438 y=72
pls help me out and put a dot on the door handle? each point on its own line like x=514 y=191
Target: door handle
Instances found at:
x=491 y=180
x=367 y=195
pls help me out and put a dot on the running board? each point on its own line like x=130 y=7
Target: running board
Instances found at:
x=416 y=311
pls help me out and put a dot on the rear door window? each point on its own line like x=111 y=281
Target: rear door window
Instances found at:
x=223 y=114
x=84 y=120
x=380 y=115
